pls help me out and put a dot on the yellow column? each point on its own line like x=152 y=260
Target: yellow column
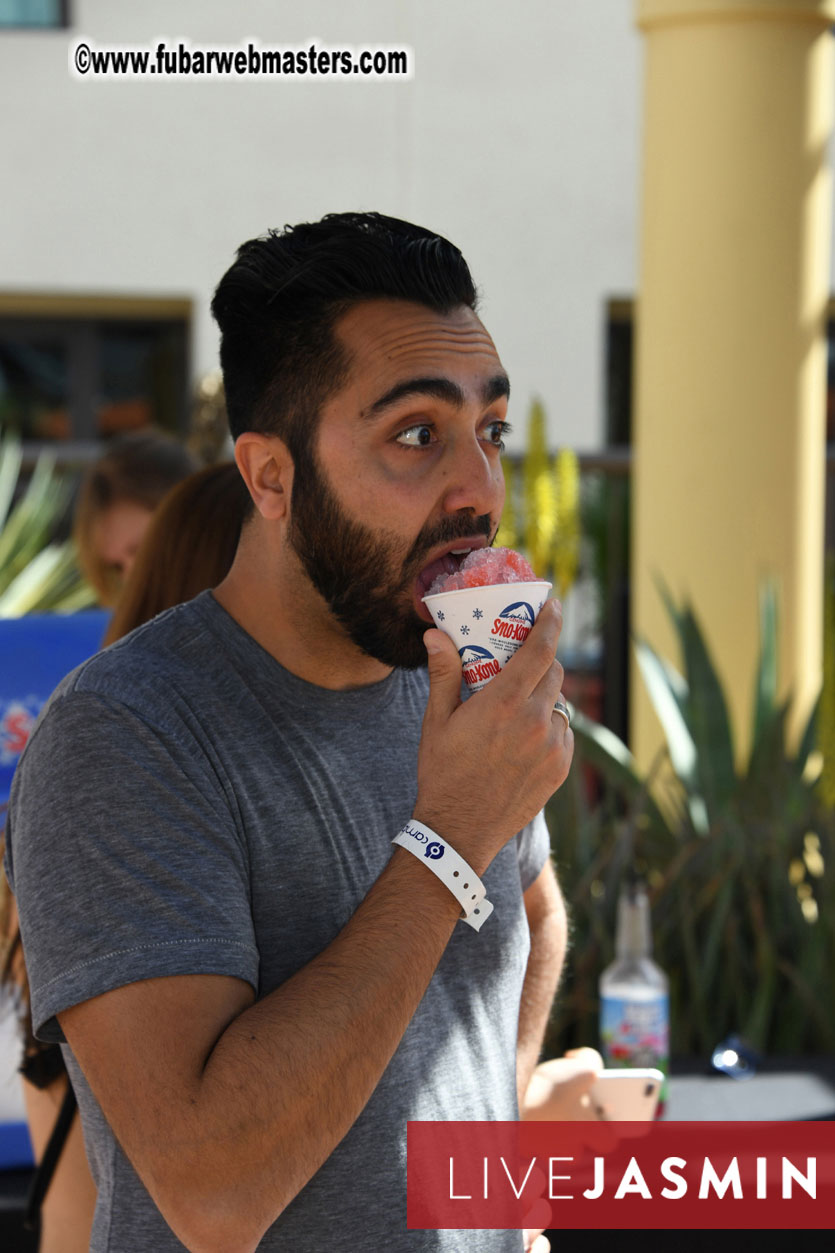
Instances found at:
x=728 y=480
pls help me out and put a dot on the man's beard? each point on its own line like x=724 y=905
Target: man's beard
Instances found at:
x=358 y=571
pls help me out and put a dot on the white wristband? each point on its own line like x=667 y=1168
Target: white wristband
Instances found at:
x=452 y=870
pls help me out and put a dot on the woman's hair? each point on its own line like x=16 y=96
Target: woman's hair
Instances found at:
x=189 y=546
x=138 y=468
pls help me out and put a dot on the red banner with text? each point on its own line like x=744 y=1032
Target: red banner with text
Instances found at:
x=481 y=1175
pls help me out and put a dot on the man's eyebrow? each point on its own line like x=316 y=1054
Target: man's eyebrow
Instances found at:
x=439 y=388
x=496 y=388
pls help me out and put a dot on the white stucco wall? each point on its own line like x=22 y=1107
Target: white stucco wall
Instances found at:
x=518 y=137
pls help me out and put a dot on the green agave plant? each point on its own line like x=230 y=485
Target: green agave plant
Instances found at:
x=37 y=573
x=740 y=859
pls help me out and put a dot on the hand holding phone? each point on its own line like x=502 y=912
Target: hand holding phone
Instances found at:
x=628 y=1095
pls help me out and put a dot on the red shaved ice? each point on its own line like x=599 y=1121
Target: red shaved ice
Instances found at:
x=484 y=567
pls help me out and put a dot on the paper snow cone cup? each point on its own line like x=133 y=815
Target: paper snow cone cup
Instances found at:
x=487 y=624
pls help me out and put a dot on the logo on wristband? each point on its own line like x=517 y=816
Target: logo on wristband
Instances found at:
x=434 y=849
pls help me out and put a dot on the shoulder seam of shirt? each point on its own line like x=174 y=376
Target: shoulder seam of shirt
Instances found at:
x=116 y=705
x=138 y=948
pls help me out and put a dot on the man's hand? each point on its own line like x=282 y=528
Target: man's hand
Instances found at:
x=558 y=1090
x=504 y=744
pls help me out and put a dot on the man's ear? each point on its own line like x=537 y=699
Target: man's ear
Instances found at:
x=267 y=469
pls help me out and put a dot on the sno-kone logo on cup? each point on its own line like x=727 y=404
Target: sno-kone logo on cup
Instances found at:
x=507 y=631
x=478 y=665
x=487 y=624
x=512 y=626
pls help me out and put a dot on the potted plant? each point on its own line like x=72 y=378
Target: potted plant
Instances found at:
x=739 y=856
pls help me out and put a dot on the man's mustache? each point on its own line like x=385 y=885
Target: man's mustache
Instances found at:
x=458 y=526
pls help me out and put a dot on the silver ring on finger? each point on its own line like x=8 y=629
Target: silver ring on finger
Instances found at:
x=561 y=708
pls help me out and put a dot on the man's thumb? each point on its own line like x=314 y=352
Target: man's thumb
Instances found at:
x=444 y=675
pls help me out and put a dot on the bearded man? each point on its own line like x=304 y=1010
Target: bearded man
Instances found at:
x=255 y=987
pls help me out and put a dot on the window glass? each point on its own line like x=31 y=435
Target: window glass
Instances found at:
x=139 y=377
x=83 y=378
x=34 y=391
x=43 y=13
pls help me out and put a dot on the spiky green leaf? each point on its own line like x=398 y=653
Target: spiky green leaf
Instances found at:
x=680 y=743
x=709 y=721
x=11 y=458
x=765 y=690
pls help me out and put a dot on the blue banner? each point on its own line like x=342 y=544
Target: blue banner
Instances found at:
x=36 y=651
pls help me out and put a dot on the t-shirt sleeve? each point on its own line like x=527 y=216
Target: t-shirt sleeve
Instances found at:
x=533 y=845
x=125 y=858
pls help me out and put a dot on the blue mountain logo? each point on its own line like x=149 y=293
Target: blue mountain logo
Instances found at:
x=519 y=611
x=471 y=654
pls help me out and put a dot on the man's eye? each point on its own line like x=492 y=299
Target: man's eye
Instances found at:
x=416 y=436
x=496 y=432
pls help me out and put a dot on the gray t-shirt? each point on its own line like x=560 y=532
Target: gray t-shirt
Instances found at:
x=186 y=805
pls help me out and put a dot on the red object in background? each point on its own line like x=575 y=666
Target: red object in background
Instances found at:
x=621 y=1175
x=14 y=730
x=584 y=689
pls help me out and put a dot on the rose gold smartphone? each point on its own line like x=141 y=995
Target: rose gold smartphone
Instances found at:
x=626 y=1095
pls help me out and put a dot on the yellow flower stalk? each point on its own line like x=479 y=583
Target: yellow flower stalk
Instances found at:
x=539 y=498
x=566 y=550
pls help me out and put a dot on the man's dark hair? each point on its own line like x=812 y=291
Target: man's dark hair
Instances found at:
x=277 y=304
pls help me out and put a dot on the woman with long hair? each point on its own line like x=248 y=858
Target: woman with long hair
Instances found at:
x=117 y=498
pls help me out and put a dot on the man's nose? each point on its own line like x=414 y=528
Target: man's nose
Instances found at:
x=474 y=479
